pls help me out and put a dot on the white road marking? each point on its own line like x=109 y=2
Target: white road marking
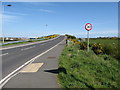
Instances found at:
x=3 y=54
x=27 y=48
x=15 y=72
x=1 y=85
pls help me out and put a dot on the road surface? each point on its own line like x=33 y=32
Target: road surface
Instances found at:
x=15 y=57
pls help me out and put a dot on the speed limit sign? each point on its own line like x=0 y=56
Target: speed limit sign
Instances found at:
x=88 y=26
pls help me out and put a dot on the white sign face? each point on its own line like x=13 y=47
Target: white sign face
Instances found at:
x=88 y=26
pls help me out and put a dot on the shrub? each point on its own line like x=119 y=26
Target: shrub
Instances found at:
x=83 y=46
x=109 y=50
x=97 y=48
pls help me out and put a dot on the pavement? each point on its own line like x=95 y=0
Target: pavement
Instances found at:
x=41 y=73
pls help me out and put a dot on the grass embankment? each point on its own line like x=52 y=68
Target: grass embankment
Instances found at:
x=86 y=69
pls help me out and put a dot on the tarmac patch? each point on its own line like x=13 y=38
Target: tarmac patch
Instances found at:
x=30 y=68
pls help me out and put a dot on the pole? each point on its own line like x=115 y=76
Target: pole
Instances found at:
x=88 y=41
x=2 y=22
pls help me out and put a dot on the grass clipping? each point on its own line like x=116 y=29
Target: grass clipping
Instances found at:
x=86 y=69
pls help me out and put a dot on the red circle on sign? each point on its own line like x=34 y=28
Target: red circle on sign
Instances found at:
x=88 y=26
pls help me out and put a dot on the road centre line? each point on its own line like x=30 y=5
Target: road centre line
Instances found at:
x=42 y=44
x=27 y=48
x=15 y=72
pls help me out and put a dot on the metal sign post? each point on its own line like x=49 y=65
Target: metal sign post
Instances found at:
x=88 y=27
x=88 y=41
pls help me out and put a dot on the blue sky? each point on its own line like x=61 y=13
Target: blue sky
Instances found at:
x=29 y=19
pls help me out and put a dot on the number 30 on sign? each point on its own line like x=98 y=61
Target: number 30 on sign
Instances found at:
x=88 y=26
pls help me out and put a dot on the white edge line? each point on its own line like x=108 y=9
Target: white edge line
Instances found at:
x=30 y=61
x=7 y=80
x=30 y=43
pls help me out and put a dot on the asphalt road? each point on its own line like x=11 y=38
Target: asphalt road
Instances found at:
x=15 y=57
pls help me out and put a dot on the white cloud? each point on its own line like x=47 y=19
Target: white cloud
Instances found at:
x=45 y=10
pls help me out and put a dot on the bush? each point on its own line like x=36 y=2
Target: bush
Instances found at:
x=97 y=48
x=109 y=50
x=83 y=46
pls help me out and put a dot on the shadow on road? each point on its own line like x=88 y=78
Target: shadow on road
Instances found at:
x=57 y=71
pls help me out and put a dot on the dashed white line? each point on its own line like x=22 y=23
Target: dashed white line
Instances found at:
x=4 y=54
x=27 y=48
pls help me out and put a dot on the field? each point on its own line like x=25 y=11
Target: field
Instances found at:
x=110 y=45
x=113 y=43
x=84 y=69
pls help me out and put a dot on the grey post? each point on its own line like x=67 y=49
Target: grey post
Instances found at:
x=3 y=20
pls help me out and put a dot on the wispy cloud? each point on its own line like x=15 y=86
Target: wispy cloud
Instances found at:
x=45 y=10
x=14 y=13
x=9 y=18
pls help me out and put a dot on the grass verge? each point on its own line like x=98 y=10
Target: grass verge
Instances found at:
x=86 y=69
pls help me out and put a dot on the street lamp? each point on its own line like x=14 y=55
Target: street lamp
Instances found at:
x=3 y=18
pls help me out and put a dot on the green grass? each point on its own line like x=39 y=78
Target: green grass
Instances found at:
x=87 y=70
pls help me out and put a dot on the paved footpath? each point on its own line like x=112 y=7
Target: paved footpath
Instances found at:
x=42 y=73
